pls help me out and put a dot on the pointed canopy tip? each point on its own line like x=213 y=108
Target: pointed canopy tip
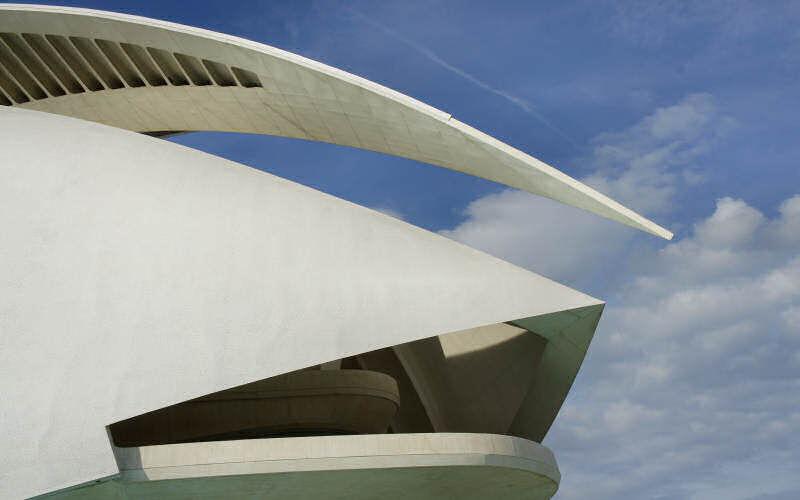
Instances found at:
x=647 y=226
x=659 y=231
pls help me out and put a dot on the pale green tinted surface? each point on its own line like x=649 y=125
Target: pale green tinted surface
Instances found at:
x=419 y=483
x=568 y=335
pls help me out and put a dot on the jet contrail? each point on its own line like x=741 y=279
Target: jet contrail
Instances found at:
x=516 y=101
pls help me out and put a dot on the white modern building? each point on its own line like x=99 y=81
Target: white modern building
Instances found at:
x=174 y=325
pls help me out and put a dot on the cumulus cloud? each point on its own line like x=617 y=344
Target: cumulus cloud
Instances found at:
x=734 y=223
x=646 y=164
x=690 y=387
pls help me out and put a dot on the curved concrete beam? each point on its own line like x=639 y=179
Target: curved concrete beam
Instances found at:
x=166 y=77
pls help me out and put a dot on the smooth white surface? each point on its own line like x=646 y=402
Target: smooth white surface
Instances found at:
x=300 y=98
x=136 y=273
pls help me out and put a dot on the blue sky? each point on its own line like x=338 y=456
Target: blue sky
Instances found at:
x=684 y=111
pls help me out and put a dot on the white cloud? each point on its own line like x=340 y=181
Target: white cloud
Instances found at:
x=733 y=224
x=787 y=229
x=693 y=373
x=645 y=165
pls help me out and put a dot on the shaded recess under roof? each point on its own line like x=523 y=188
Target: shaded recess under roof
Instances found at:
x=476 y=381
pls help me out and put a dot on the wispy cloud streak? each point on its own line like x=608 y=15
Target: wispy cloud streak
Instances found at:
x=425 y=51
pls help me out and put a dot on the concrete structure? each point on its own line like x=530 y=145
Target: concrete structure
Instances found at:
x=175 y=325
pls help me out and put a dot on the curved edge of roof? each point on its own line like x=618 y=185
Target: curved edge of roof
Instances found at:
x=576 y=193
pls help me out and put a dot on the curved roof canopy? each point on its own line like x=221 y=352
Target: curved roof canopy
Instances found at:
x=157 y=77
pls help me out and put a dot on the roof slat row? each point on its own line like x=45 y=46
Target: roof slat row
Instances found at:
x=16 y=69
x=75 y=61
x=59 y=68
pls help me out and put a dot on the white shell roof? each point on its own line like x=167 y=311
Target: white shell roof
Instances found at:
x=145 y=273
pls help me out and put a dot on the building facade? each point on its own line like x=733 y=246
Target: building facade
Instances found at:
x=176 y=325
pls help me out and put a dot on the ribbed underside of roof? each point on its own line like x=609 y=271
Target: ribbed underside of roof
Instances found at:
x=35 y=66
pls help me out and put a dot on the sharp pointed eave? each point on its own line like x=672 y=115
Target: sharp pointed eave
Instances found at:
x=520 y=170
